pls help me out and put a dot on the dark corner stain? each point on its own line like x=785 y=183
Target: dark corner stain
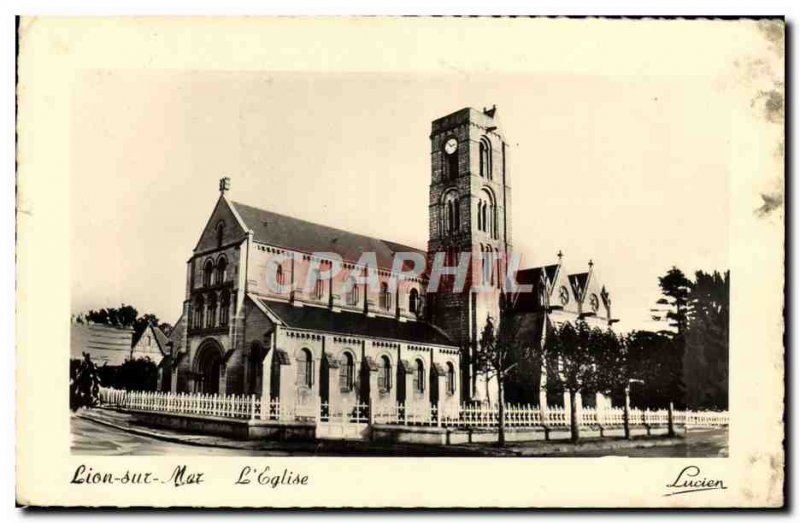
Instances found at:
x=773 y=104
x=771 y=203
x=773 y=31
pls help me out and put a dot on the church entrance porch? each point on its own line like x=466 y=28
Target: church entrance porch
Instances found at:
x=208 y=368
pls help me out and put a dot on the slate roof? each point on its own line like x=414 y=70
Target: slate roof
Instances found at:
x=578 y=282
x=355 y=324
x=551 y=271
x=531 y=301
x=300 y=235
x=161 y=339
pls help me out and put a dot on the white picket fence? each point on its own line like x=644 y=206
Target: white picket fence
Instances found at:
x=484 y=416
x=214 y=405
x=467 y=416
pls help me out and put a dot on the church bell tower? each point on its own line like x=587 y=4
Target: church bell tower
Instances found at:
x=468 y=209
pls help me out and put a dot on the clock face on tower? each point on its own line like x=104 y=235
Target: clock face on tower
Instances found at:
x=450 y=146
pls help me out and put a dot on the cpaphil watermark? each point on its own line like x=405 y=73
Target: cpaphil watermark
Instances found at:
x=444 y=271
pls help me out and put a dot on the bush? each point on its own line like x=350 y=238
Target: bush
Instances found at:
x=84 y=383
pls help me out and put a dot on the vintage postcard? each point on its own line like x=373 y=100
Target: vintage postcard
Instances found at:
x=400 y=262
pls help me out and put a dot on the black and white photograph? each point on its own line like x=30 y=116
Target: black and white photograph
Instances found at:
x=487 y=257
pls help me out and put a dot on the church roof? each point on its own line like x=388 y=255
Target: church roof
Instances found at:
x=538 y=278
x=354 y=323
x=550 y=271
x=578 y=282
x=300 y=235
x=532 y=275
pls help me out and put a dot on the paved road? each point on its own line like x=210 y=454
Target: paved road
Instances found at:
x=705 y=443
x=90 y=437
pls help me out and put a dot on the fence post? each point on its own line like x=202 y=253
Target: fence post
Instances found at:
x=371 y=417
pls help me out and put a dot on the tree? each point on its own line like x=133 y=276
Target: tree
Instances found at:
x=705 y=361
x=139 y=374
x=125 y=316
x=695 y=358
x=677 y=287
x=166 y=328
x=84 y=385
x=122 y=316
x=656 y=359
x=499 y=353
x=616 y=370
x=571 y=363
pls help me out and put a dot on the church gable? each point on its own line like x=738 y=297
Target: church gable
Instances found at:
x=578 y=283
x=596 y=297
x=562 y=292
x=223 y=227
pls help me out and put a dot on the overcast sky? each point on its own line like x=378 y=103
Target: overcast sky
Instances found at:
x=628 y=171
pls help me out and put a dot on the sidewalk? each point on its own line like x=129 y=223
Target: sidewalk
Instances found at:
x=123 y=422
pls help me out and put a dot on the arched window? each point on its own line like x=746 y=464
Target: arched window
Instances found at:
x=220 y=233
x=222 y=266
x=279 y=278
x=419 y=376
x=211 y=311
x=224 y=308
x=451 y=378
x=347 y=372
x=499 y=266
x=208 y=272
x=385 y=374
x=486 y=158
x=487 y=221
x=493 y=221
x=352 y=292
x=305 y=368
x=385 y=297
x=451 y=216
x=487 y=276
x=319 y=286
x=413 y=301
x=197 y=313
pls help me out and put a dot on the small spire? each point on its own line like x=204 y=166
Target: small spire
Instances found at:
x=224 y=185
x=560 y=255
x=591 y=263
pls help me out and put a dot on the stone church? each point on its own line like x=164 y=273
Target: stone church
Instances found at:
x=343 y=343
